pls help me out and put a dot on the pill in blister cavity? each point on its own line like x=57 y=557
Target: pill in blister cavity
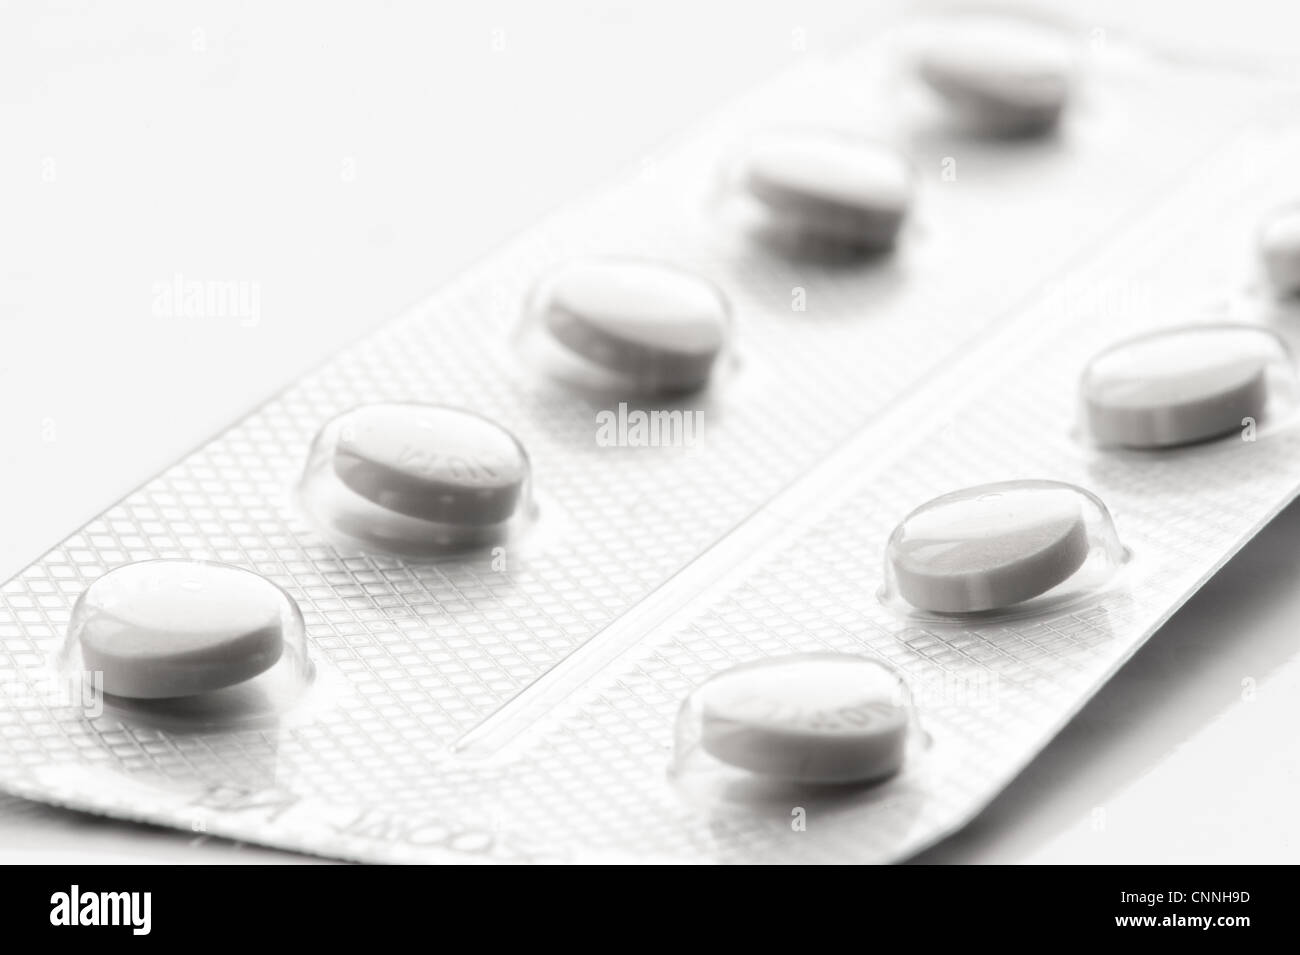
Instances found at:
x=810 y=718
x=1000 y=75
x=163 y=629
x=439 y=464
x=823 y=189
x=416 y=478
x=997 y=546
x=628 y=326
x=1182 y=385
x=1279 y=246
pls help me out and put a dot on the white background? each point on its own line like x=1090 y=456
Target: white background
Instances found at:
x=346 y=158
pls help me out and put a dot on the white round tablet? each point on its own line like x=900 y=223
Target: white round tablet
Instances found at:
x=1002 y=75
x=430 y=462
x=989 y=547
x=658 y=328
x=831 y=188
x=1179 y=386
x=1279 y=247
x=178 y=628
x=814 y=718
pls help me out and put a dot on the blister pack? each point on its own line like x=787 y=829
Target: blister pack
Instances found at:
x=777 y=504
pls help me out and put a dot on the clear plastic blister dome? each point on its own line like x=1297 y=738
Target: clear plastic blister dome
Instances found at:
x=417 y=480
x=791 y=726
x=1005 y=549
x=186 y=644
x=818 y=194
x=1188 y=385
x=1279 y=250
x=626 y=328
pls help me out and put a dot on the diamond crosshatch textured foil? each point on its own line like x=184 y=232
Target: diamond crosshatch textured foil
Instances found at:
x=465 y=711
